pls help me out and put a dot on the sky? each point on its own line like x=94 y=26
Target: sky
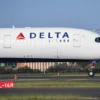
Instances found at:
x=50 y=13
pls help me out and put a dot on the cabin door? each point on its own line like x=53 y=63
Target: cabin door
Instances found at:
x=77 y=40
x=7 y=41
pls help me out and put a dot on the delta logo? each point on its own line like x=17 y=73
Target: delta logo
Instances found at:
x=20 y=36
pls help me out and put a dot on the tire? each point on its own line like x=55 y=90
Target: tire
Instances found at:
x=91 y=73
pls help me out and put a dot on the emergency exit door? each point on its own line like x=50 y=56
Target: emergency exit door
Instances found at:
x=7 y=41
x=77 y=40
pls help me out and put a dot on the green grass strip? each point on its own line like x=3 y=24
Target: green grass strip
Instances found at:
x=57 y=84
x=44 y=75
x=45 y=97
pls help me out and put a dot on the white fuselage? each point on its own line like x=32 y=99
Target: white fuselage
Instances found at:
x=49 y=43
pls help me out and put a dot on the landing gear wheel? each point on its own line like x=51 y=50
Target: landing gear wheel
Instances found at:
x=91 y=72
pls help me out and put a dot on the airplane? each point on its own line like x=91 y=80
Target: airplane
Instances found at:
x=49 y=44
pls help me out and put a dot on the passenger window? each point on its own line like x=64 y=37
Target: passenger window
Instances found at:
x=60 y=40
x=97 y=39
x=64 y=41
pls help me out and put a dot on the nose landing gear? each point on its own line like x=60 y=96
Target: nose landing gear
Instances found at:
x=91 y=72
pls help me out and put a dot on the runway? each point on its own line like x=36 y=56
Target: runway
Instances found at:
x=94 y=92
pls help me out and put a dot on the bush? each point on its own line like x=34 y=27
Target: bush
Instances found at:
x=36 y=71
x=25 y=70
x=28 y=70
x=58 y=68
x=2 y=70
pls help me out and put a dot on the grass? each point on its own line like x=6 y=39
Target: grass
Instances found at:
x=11 y=76
x=57 y=84
x=45 y=97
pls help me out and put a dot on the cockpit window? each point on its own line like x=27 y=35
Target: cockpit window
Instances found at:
x=97 y=39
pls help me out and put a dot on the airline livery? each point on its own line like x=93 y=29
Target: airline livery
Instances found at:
x=49 y=44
